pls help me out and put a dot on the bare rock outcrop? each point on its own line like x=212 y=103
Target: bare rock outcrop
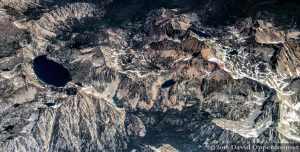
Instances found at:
x=167 y=81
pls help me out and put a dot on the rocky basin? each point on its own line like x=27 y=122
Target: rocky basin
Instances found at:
x=146 y=75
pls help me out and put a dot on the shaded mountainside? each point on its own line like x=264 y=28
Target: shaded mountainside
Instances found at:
x=148 y=75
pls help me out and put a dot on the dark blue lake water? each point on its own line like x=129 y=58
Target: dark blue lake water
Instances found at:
x=168 y=83
x=51 y=72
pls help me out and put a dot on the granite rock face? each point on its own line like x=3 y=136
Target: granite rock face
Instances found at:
x=167 y=77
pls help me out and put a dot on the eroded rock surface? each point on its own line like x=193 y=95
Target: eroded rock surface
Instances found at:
x=163 y=80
